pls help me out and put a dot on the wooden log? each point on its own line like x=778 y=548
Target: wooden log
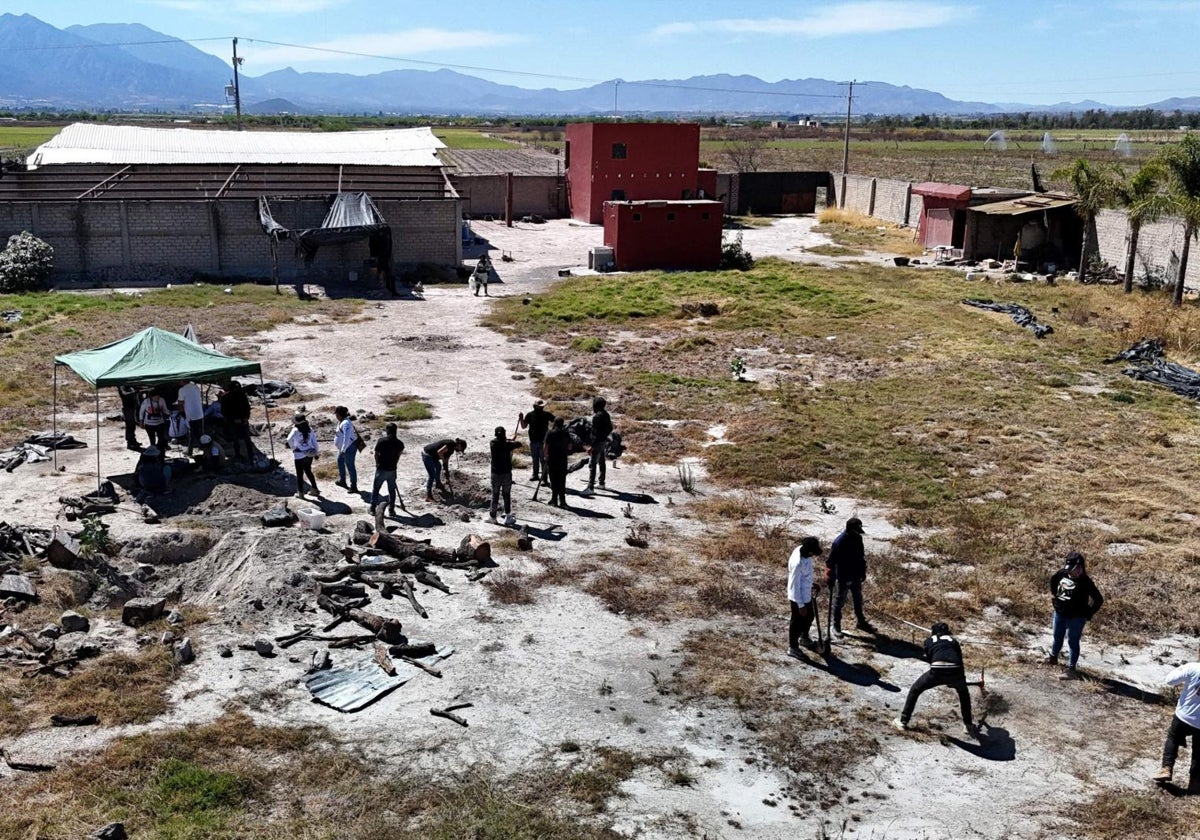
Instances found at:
x=290 y=639
x=412 y=597
x=413 y=650
x=385 y=661
x=386 y=629
x=458 y=706
x=73 y=720
x=434 y=672
x=442 y=713
x=343 y=590
x=339 y=642
x=402 y=547
x=52 y=667
x=430 y=578
x=474 y=547
x=407 y=564
x=25 y=766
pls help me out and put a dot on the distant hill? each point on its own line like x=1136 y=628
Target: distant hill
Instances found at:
x=109 y=65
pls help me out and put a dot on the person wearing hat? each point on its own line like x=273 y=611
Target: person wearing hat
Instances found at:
x=538 y=422
x=1184 y=724
x=303 y=443
x=802 y=594
x=1076 y=599
x=944 y=655
x=846 y=566
x=151 y=473
x=211 y=456
x=501 y=459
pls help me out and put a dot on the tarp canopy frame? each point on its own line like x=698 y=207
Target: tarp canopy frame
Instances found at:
x=351 y=216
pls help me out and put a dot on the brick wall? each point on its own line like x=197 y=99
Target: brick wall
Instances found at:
x=165 y=241
x=892 y=200
x=539 y=195
x=1159 y=245
x=856 y=193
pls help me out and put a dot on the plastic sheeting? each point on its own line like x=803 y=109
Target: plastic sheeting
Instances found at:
x=153 y=357
x=1021 y=316
x=1150 y=365
x=351 y=216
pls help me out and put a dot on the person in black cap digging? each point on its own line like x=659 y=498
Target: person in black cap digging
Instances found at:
x=944 y=655
x=846 y=566
x=1076 y=599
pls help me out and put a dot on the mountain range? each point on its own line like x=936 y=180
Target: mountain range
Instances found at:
x=131 y=67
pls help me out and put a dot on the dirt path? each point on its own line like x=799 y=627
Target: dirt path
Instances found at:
x=564 y=668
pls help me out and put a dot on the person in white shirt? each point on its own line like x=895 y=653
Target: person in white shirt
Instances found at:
x=193 y=410
x=154 y=416
x=1185 y=723
x=802 y=591
x=303 y=443
x=345 y=440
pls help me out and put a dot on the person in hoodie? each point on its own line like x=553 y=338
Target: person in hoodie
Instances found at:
x=944 y=655
x=1076 y=599
x=802 y=593
x=846 y=566
x=1184 y=724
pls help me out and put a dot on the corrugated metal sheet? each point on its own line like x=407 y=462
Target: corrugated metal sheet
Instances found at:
x=359 y=685
x=1029 y=204
x=951 y=192
x=85 y=143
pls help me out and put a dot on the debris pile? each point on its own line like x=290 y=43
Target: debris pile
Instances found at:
x=1151 y=365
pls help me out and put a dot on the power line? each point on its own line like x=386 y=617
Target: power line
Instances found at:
x=98 y=45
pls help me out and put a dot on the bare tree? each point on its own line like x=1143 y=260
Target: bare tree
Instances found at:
x=746 y=153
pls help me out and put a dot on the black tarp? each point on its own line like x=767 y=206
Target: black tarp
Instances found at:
x=1150 y=365
x=351 y=216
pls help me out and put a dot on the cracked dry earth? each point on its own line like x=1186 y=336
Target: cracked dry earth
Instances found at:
x=565 y=667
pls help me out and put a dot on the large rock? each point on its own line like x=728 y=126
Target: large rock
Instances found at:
x=139 y=611
x=63 y=552
x=17 y=586
x=73 y=622
x=112 y=831
x=184 y=652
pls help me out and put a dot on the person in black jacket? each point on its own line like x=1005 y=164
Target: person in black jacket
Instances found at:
x=944 y=655
x=846 y=566
x=1076 y=599
x=235 y=409
x=602 y=427
x=556 y=450
x=501 y=451
x=538 y=422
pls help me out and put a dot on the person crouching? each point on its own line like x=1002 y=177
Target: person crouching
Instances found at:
x=944 y=655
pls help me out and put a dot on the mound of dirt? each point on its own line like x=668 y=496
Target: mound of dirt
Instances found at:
x=259 y=575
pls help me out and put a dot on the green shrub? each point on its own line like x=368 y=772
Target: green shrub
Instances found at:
x=587 y=344
x=26 y=263
x=735 y=256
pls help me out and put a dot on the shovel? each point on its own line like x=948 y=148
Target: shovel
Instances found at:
x=822 y=640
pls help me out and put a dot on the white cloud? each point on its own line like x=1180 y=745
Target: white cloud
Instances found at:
x=249 y=7
x=393 y=44
x=858 y=18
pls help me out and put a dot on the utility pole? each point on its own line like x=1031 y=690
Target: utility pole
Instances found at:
x=237 y=92
x=846 y=141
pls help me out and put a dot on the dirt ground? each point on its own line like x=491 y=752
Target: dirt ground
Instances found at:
x=564 y=667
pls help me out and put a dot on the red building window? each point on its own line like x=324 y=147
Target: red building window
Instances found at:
x=620 y=152
x=618 y=195
x=670 y=217
x=637 y=217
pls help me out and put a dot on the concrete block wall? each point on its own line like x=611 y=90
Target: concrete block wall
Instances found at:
x=892 y=200
x=166 y=241
x=484 y=195
x=1159 y=246
x=857 y=193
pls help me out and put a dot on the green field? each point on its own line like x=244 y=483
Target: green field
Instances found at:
x=25 y=138
x=470 y=138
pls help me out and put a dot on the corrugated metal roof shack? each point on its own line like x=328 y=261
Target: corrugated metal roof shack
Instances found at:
x=136 y=204
x=943 y=219
x=1043 y=229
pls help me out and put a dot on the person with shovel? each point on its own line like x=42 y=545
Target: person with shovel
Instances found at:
x=501 y=460
x=436 y=458
x=1184 y=724
x=944 y=655
x=802 y=595
x=1076 y=599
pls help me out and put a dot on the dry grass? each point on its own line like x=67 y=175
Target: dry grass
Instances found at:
x=509 y=587
x=1115 y=816
x=857 y=233
x=232 y=778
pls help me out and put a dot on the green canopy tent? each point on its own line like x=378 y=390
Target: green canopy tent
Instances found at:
x=150 y=357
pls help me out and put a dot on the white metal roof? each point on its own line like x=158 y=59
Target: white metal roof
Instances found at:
x=127 y=144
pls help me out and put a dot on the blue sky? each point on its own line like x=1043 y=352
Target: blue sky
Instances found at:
x=1120 y=52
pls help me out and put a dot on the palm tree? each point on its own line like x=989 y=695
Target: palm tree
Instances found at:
x=1182 y=163
x=1142 y=196
x=1093 y=187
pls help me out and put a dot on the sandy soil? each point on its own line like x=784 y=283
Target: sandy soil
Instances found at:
x=565 y=668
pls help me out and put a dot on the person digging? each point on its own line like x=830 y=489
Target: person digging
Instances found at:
x=1184 y=724
x=436 y=458
x=944 y=655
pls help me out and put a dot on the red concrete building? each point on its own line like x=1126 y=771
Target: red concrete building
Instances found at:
x=664 y=234
x=943 y=219
x=633 y=162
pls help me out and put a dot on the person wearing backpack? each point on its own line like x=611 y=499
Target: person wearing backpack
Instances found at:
x=154 y=417
x=348 y=444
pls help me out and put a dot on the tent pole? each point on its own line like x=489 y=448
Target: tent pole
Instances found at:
x=97 y=438
x=54 y=422
x=267 y=412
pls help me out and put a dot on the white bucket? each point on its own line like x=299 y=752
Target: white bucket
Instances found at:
x=311 y=518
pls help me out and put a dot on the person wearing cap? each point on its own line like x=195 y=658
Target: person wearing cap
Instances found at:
x=151 y=473
x=802 y=593
x=436 y=458
x=944 y=655
x=211 y=456
x=1184 y=724
x=846 y=566
x=345 y=441
x=602 y=428
x=538 y=422
x=501 y=459
x=303 y=442
x=1076 y=599
x=388 y=450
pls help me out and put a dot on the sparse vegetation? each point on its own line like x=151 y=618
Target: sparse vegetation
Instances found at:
x=856 y=232
x=406 y=408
